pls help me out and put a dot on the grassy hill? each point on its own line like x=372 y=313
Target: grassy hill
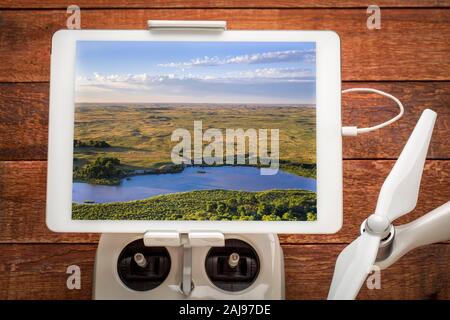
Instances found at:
x=139 y=135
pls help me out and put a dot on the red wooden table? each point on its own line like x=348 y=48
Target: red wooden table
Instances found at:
x=408 y=57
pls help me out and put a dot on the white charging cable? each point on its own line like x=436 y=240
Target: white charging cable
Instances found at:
x=354 y=131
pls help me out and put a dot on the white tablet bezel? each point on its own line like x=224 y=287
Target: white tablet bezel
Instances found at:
x=61 y=131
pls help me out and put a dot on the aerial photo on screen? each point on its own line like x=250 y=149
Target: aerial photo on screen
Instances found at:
x=195 y=131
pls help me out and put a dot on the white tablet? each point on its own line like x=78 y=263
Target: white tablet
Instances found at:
x=235 y=131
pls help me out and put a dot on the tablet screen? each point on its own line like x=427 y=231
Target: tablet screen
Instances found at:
x=172 y=130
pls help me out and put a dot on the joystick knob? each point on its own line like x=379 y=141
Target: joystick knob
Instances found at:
x=143 y=268
x=233 y=267
x=140 y=260
x=233 y=260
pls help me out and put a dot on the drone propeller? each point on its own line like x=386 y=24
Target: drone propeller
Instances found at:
x=398 y=196
x=430 y=228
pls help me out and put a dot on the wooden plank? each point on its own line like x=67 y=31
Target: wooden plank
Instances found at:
x=24 y=121
x=364 y=110
x=25 y=106
x=421 y=274
x=22 y=205
x=411 y=45
x=39 y=271
x=109 y=4
x=22 y=201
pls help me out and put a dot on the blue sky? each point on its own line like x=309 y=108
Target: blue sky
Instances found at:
x=195 y=72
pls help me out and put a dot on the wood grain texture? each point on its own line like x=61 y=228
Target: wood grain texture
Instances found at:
x=411 y=45
x=58 y=4
x=365 y=110
x=25 y=106
x=421 y=274
x=39 y=272
x=24 y=121
x=23 y=183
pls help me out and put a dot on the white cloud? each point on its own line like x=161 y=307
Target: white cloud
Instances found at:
x=265 y=85
x=272 y=75
x=144 y=79
x=264 y=57
x=146 y=86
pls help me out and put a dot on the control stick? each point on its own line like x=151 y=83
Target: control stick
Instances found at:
x=233 y=260
x=140 y=260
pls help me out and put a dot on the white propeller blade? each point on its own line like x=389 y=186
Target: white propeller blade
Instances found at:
x=398 y=196
x=430 y=228
x=352 y=267
x=400 y=190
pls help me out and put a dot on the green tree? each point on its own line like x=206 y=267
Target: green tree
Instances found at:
x=311 y=216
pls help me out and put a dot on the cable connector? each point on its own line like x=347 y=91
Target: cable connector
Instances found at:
x=354 y=131
x=350 y=131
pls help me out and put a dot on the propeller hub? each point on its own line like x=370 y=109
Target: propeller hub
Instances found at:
x=378 y=224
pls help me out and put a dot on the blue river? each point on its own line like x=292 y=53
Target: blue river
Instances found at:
x=191 y=178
